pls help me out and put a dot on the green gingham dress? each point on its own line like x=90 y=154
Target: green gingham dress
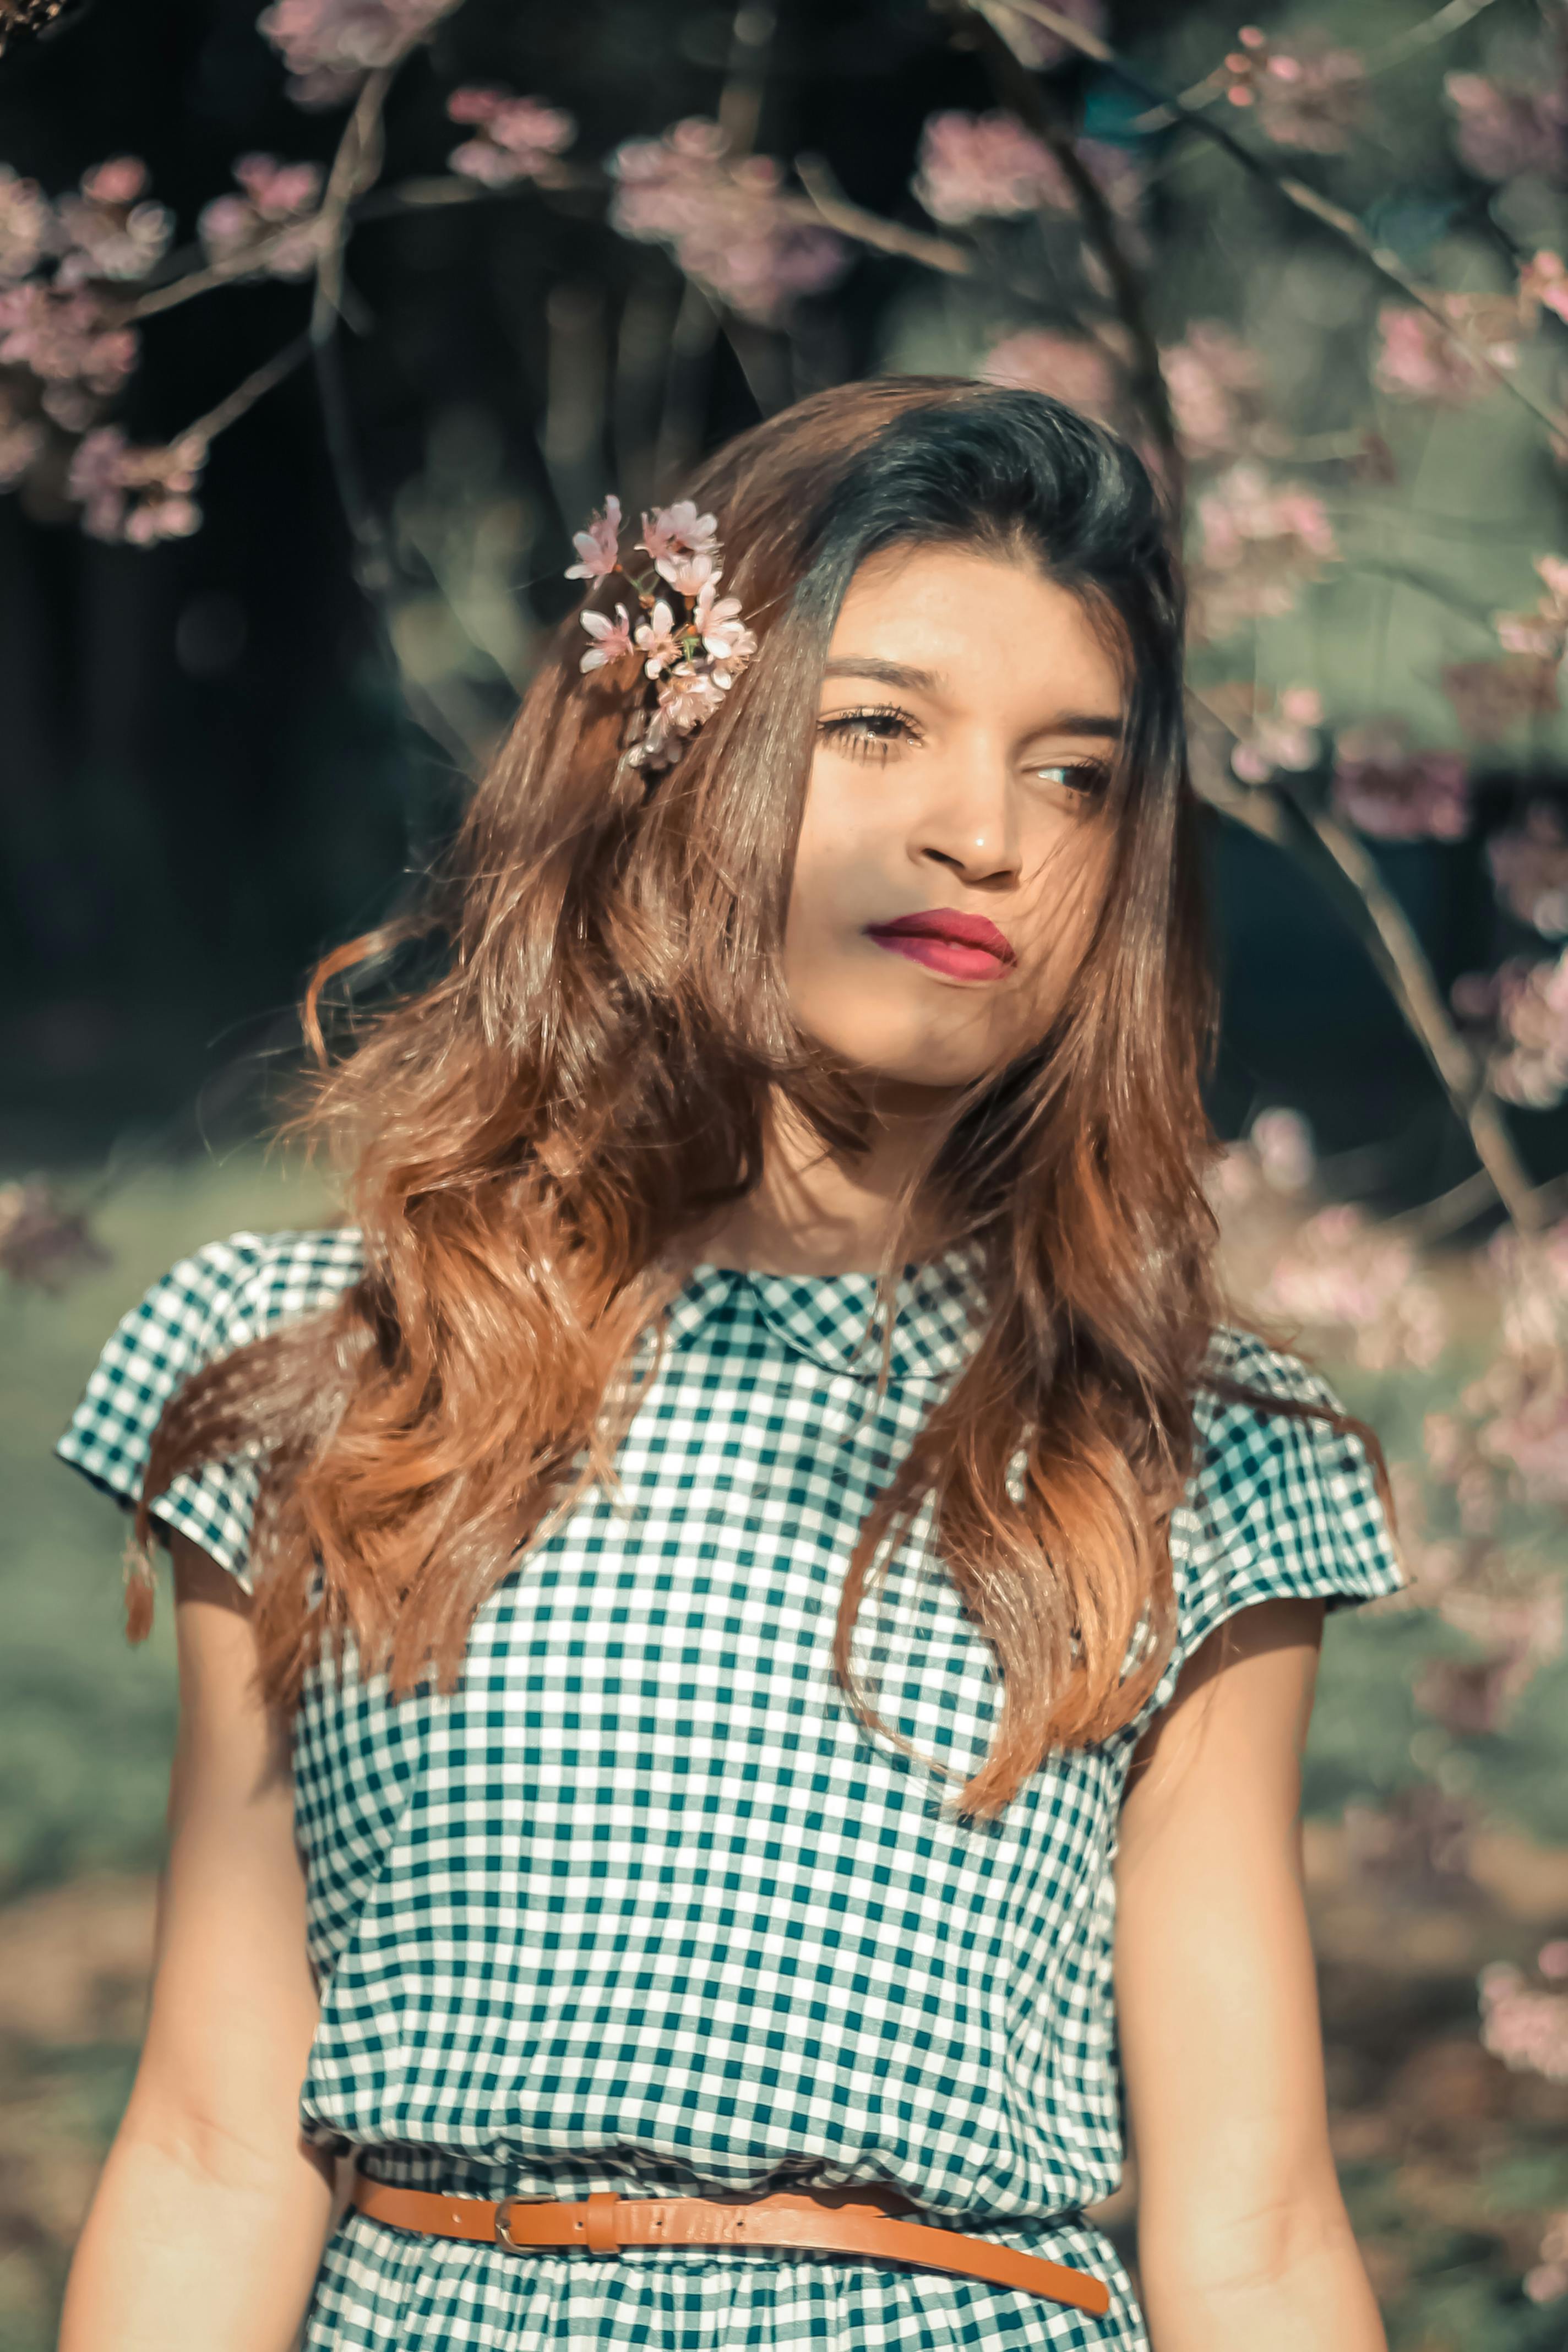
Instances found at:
x=642 y=1907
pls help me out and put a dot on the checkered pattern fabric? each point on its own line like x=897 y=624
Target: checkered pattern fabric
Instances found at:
x=641 y=1907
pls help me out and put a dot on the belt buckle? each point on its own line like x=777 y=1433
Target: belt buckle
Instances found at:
x=504 y=2238
x=599 y=2235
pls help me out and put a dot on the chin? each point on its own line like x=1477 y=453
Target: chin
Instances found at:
x=937 y=1064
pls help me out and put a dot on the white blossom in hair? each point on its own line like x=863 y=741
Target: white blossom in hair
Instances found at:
x=693 y=642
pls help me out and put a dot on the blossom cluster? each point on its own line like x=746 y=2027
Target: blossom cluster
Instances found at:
x=1529 y=865
x=329 y=45
x=272 y=219
x=139 y=495
x=1509 y=128
x=1394 y=793
x=726 y=219
x=1525 y=1005
x=1272 y=732
x=1344 y=1273
x=991 y=167
x=43 y=1246
x=1216 y=385
x=66 y=344
x=1260 y=540
x=1492 y=698
x=513 y=138
x=1423 y=358
x=1542 y=631
x=1522 y=2024
x=1308 y=96
x=693 y=655
x=1071 y=368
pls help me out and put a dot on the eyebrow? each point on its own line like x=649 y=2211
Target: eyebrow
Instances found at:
x=887 y=673
x=1109 y=724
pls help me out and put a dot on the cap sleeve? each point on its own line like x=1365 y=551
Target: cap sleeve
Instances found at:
x=225 y=1296
x=1280 y=1508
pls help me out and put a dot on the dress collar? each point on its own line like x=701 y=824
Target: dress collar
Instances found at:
x=833 y=1319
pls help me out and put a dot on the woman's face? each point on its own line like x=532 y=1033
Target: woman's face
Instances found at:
x=954 y=845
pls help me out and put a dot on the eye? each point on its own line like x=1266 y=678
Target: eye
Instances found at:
x=1086 y=778
x=869 y=734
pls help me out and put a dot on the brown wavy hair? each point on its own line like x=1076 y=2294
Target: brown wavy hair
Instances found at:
x=529 y=1136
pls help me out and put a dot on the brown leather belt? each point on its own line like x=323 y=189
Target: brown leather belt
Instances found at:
x=838 y=2222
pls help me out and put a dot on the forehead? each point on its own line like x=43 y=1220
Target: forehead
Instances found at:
x=978 y=620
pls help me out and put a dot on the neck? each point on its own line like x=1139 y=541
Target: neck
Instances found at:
x=817 y=1211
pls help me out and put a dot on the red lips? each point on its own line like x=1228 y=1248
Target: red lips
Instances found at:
x=965 y=947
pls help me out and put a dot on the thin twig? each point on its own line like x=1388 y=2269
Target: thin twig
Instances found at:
x=1400 y=958
x=828 y=202
x=1380 y=257
x=1436 y=28
x=354 y=168
x=245 y=395
x=699 y=321
x=1101 y=234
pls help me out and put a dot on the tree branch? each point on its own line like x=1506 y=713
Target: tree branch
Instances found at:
x=1344 y=225
x=1386 y=933
x=1146 y=380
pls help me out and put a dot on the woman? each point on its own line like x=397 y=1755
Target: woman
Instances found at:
x=795 y=1621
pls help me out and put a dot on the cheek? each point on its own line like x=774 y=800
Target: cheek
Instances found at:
x=831 y=863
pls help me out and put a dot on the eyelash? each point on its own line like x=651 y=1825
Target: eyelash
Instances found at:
x=1086 y=776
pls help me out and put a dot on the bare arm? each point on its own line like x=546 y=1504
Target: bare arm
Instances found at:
x=1243 y=2236
x=207 y=2225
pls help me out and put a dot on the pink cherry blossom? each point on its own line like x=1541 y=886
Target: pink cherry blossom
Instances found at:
x=679 y=528
x=22 y=444
x=1543 y=631
x=1282 y=1145
x=1552 y=1961
x=275 y=195
x=1530 y=870
x=1302 y=95
x=688 y=574
x=986 y=167
x=1543 y=285
x=139 y=495
x=727 y=221
x=1342 y=1273
x=1492 y=698
x=1069 y=367
x=1283 y=735
x=42 y=1245
x=26 y=223
x=611 y=639
x=1529 y=1064
x=1528 y=2029
x=1418 y=360
x=1393 y=793
x=518 y=137
x=329 y=46
x=598 y=546
x=1531 y=1438
x=717 y=621
x=1260 y=541
x=658 y=640
x=1507 y=129
x=1215 y=383
x=990 y=167
x=65 y=338
x=688 y=696
x=1545 y=2282
x=105 y=232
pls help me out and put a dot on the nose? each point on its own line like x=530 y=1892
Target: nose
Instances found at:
x=967 y=825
